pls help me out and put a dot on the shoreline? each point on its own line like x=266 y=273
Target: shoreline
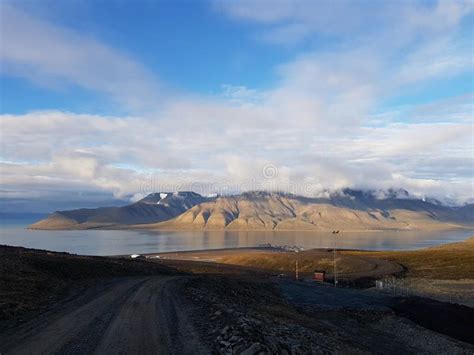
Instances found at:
x=278 y=248
x=146 y=227
x=412 y=246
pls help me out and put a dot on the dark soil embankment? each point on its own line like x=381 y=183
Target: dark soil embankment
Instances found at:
x=454 y=320
x=31 y=279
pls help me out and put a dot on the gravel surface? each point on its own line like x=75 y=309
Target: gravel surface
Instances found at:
x=142 y=315
x=245 y=317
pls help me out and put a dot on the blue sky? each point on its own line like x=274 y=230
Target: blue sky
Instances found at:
x=188 y=45
x=122 y=98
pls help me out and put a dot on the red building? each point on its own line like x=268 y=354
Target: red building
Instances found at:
x=319 y=275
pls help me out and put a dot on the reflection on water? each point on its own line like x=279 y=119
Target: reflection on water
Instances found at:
x=102 y=242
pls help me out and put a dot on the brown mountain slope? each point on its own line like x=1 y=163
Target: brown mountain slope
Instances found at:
x=273 y=211
x=153 y=208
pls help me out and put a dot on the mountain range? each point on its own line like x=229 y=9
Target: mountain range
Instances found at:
x=154 y=208
x=349 y=210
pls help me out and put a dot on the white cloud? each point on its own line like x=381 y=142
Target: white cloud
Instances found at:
x=435 y=58
x=240 y=94
x=458 y=109
x=292 y=21
x=213 y=156
x=317 y=126
x=53 y=56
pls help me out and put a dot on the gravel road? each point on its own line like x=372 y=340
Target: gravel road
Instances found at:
x=127 y=315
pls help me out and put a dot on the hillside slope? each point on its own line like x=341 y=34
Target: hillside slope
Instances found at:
x=276 y=211
x=348 y=210
x=153 y=208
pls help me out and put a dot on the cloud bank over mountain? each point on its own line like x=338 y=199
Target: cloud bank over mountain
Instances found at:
x=336 y=116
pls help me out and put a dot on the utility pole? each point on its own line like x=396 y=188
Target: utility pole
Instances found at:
x=335 y=268
x=296 y=269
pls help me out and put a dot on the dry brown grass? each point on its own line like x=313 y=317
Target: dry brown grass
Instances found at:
x=349 y=267
x=447 y=262
x=308 y=261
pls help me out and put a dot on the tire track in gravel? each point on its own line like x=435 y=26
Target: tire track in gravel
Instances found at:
x=134 y=315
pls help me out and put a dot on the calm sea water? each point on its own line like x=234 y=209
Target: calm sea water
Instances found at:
x=103 y=242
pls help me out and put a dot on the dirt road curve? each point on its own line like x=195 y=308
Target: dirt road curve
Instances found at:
x=128 y=315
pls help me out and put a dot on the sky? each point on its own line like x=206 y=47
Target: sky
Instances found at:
x=103 y=102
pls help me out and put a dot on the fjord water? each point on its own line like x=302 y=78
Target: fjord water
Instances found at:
x=113 y=242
